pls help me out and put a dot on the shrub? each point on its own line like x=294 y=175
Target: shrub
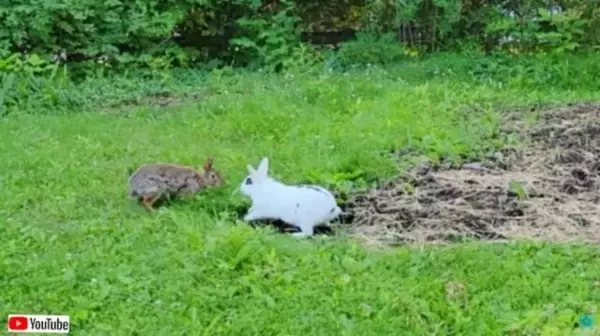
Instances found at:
x=371 y=49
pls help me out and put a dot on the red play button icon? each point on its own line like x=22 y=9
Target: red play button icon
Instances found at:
x=17 y=323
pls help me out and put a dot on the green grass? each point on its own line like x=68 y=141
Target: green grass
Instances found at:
x=72 y=243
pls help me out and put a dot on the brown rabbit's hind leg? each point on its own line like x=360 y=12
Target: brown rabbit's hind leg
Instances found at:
x=150 y=199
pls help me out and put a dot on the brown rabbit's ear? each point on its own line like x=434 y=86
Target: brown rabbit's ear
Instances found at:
x=208 y=163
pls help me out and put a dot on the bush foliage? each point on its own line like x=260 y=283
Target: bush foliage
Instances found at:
x=163 y=33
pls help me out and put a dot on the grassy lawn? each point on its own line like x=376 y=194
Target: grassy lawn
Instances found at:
x=72 y=243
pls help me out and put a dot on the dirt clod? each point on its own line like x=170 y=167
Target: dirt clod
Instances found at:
x=547 y=190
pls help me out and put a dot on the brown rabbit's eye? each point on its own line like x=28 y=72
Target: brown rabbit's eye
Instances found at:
x=248 y=181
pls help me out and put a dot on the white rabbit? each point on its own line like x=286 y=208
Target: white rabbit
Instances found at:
x=304 y=206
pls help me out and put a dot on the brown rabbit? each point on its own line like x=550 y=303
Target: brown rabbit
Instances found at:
x=155 y=181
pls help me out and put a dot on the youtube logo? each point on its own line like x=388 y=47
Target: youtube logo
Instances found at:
x=24 y=323
x=16 y=323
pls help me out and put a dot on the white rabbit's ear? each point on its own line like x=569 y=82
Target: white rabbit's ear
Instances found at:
x=250 y=169
x=263 y=167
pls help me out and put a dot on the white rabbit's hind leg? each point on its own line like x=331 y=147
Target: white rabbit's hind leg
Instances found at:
x=300 y=234
x=307 y=230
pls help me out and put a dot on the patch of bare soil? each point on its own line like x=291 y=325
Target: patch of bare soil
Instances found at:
x=548 y=190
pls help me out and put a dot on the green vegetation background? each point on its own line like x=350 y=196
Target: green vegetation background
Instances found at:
x=72 y=243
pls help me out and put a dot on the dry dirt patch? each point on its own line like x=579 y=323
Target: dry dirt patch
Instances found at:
x=548 y=190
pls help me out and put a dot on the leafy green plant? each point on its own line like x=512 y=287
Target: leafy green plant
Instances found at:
x=517 y=188
x=542 y=30
x=270 y=42
x=26 y=76
x=567 y=29
x=371 y=49
x=31 y=64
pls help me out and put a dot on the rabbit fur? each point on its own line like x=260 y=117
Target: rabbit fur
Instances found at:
x=305 y=206
x=152 y=182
